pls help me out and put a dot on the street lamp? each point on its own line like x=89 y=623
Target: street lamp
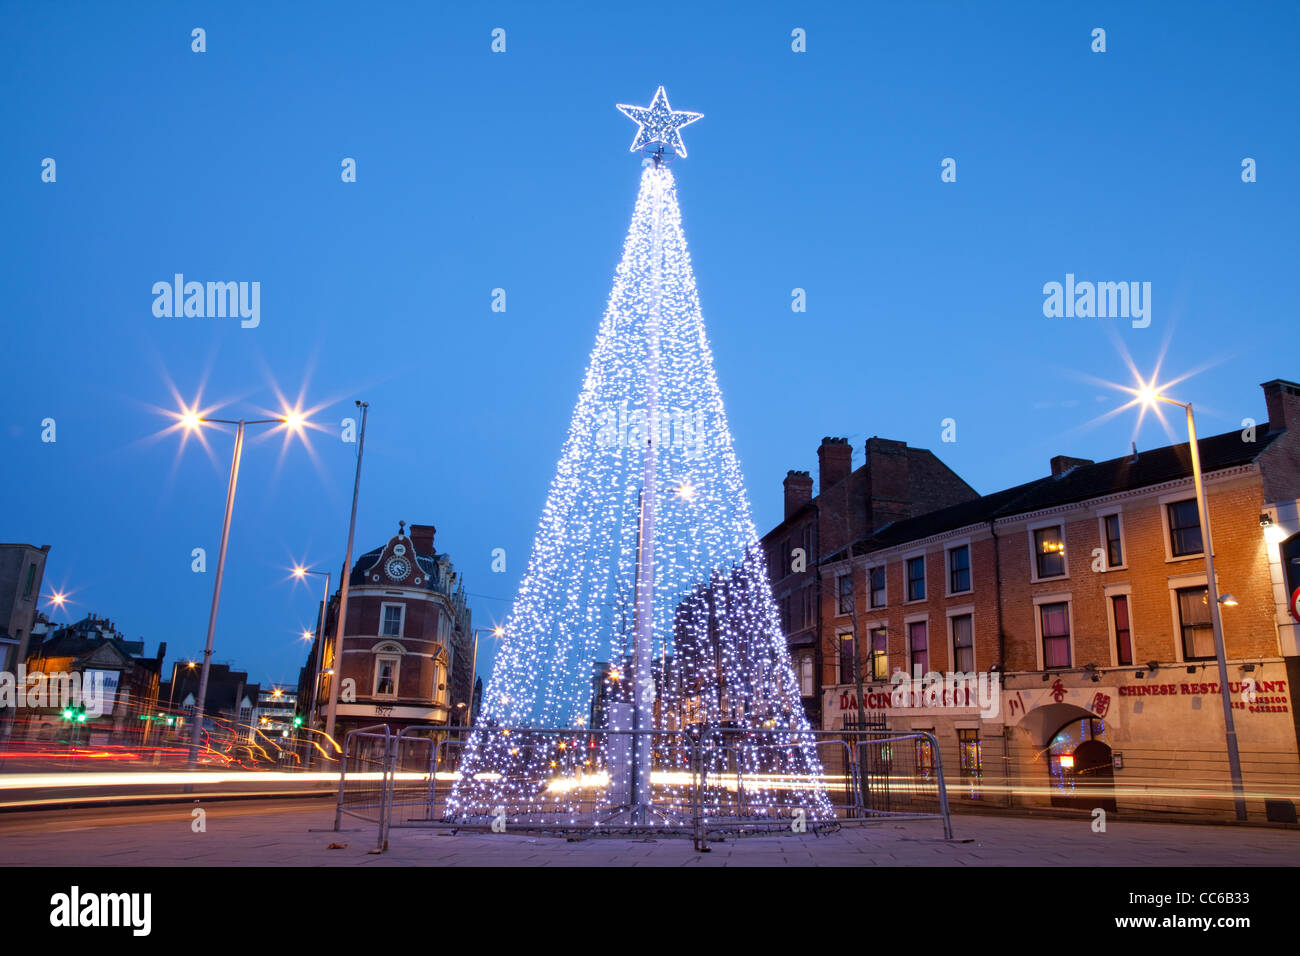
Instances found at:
x=191 y=420
x=340 y=620
x=497 y=631
x=301 y=574
x=1149 y=395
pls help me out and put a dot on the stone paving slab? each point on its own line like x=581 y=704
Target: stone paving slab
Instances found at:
x=302 y=838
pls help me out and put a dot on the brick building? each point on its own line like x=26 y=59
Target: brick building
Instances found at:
x=128 y=680
x=406 y=645
x=229 y=705
x=895 y=482
x=22 y=569
x=1085 y=592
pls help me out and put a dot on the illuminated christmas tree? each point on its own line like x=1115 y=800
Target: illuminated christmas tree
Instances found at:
x=645 y=604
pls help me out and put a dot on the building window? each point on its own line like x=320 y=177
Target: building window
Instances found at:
x=918 y=648
x=386 y=677
x=848 y=674
x=879 y=654
x=963 y=643
x=924 y=757
x=844 y=588
x=1123 y=637
x=1184 y=528
x=31 y=580
x=1049 y=552
x=916 y=578
x=806 y=687
x=1055 y=621
x=1195 y=624
x=959 y=569
x=1114 y=546
x=809 y=607
x=877 y=579
x=392 y=625
x=969 y=752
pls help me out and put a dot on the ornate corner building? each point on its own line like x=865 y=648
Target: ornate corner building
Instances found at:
x=406 y=647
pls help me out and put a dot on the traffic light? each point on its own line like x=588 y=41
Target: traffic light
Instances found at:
x=297 y=720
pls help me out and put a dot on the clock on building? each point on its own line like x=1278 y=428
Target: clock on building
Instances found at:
x=397 y=568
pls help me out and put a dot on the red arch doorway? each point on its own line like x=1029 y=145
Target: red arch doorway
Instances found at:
x=1080 y=766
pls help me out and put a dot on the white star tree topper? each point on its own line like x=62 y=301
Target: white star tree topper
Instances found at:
x=659 y=123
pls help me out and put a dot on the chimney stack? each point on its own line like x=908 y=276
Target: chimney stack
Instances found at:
x=1283 y=401
x=422 y=538
x=889 y=481
x=1063 y=463
x=835 y=462
x=798 y=491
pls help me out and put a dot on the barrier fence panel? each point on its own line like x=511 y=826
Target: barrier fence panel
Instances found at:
x=365 y=779
x=899 y=775
x=703 y=783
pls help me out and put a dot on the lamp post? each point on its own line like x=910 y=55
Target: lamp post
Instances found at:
x=336 y=679
x=192 y=421
x=301 y=573
x=1150 y=396
x=497 y=631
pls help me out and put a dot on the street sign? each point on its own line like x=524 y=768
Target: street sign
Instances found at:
x=1295 y=604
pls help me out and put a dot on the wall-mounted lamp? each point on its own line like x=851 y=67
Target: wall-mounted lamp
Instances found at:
x=1227 y=600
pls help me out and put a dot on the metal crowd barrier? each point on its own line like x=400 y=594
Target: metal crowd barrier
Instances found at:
x=366 y=779
x=706 y=784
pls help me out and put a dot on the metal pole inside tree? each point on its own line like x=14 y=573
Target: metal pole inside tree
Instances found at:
x=657 y=131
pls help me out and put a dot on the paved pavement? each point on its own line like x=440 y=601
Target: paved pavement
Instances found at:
x=296 y=833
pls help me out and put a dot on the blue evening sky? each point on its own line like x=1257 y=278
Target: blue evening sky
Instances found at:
x=816 y=170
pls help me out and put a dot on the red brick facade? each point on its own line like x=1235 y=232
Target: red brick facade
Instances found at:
x=1061 y=632
x=406 y=642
